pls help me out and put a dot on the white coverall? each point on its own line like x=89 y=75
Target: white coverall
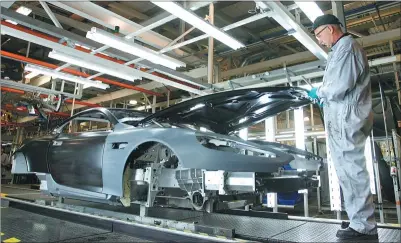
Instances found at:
x=346 y=95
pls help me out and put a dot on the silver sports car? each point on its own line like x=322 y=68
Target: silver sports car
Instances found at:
x=187 y=155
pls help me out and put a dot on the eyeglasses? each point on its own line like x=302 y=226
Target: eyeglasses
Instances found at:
x=317 y=35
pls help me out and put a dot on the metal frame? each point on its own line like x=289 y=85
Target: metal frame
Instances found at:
x=50 y=13
x=166 y=226
x=377 y=179
x=270 y=132
x=31 y=88
x=85 y=56
x=283 y=16
x=299 y=72
x=185 y=225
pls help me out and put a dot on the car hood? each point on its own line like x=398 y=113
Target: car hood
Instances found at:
x=229 y=111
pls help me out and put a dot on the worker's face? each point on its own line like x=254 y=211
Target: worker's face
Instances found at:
x=324 y=34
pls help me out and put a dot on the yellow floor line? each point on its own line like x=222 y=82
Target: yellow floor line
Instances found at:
x=11 y=240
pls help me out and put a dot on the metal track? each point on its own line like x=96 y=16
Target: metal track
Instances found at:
x=124 y=222
x=250 y=226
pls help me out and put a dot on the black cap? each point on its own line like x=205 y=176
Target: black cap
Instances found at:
x=324 y=20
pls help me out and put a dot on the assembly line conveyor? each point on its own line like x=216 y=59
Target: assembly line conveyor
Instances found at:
x=27 y=215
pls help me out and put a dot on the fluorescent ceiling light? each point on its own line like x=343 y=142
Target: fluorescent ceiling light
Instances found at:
x=133 y=102
x=311 y=9
x=65 y=76
x=88 y=48
x=90 y=65
x=125 y=45
x=11 y=22
x=24 y=10
x=287 y=21
x=31 y=75
x=199 y=23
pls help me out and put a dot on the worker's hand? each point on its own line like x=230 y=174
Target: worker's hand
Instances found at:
x=312 y=93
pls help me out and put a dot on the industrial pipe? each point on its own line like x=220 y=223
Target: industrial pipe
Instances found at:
x=10 y=90
x=54 y=39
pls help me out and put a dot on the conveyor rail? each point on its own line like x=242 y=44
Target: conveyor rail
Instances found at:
x=255 y=226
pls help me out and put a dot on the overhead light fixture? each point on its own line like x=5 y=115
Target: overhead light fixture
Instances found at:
x=65 y=76
x=133 y=102
x=125 y=45
x=24 y=10
x=91 y=65
x=31 y=75
x=311 y=9
x=11 y=22
x=194 y=20
x=288 y=22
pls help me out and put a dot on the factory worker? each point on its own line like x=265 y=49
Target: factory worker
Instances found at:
x=346 y=98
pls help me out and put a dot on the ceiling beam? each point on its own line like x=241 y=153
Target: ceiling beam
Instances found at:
x=306 y=67
x=118 y=94
x=60 y=33
x=305 y=56
x=128 y=11
x=109 y=19
x=193 y=5
x=6 y=4
x=65 y=20
x=39 y=81
x=285 y=18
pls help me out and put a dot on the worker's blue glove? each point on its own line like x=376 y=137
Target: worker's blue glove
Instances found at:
x=312 y=93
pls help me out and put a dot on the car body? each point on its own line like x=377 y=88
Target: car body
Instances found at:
x=189 y=151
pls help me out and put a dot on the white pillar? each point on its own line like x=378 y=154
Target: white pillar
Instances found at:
x=299 y=128
x=270 y=132
x=243 y=133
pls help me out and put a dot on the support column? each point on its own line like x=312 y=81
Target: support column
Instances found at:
x=243 y=133
x=270 y=132
x=377 y=180
x=299 y=128
x=168 y=98
x=211 y=47
x=182 y=23
x=312 y=120
x=154 y=104
x=319 y=204
x=287 y=118
x=338 y=11
x=397 y=80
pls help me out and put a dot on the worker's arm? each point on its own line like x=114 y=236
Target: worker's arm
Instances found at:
x=341 y=76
